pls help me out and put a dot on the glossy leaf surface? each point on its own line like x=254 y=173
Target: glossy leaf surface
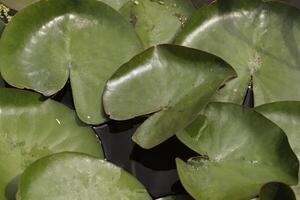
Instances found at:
x=157 y=21
x=73 y=176
x=85 y=40
x=287 y=116
x=259 y=39
x=172 y=82
x=240 y=152
x=20 y=4
x=30 y=129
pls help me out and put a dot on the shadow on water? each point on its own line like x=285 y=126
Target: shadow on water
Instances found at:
x=12 y=188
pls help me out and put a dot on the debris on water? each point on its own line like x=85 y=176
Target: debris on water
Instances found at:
x=181 y=18
x=161 y=2
x=136 y=2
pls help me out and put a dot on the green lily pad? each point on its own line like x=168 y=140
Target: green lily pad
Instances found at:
x=173 y=82
x=49 y=41
x=240 y=152
x=30 y=129
x=73 y=176
x=20 y=4
x=276 y=191
x=157 y=21
x=287 y=116
x=1 y=29
x=259 y=39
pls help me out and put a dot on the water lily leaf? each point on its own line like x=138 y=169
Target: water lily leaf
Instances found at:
x=30 y=129
x=276 y=191
x=72 y=176
x=287 y=116
x=173 y=82
x=157 y=21
x=238 y=158
x=85 y=39
x=1 y=29
x=259 y=39
x=20 y=4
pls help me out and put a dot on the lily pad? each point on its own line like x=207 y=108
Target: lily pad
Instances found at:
x=30 y=129
x=1 y=29
x=173 y=82
x=85 y=40
x=73 y=176
x=157 y=21
x=20 y=4
x=287 y=116
x=240 y=152
x=259 y=39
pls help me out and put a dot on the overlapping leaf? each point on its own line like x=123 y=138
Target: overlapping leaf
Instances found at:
x=20 y=4
x=157 y=21
x=259 y=39
x=1 y=29
x=240 y=152
x=171 y=81
x=70 y=176
x=49 y=41
x=287 y=116
x=30 y=129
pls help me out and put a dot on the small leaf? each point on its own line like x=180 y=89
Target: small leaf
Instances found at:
x=172 y=82
x=240 y=152
x=50 y=41
x=287 y=116
x=69 y=176
x=259 y=39
x=157 y=21
x=30 y=129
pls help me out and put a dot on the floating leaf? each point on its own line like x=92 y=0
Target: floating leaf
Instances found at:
x=259 y=39
x=287 y=116
x=1 y=29
x=49 y=41
x=240 y=152
x=70 y=176
x=30 y=129
x=171 y=81
x=20 y=4
x=157 y=21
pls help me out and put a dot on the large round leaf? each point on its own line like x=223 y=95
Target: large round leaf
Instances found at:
x=30 y=129
x=173 y=81
x=157 y=21
x=287 y=116
x=259 y=39
x=240 y=152
x=73 y=176
x=49 y=41
x=20 y=4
